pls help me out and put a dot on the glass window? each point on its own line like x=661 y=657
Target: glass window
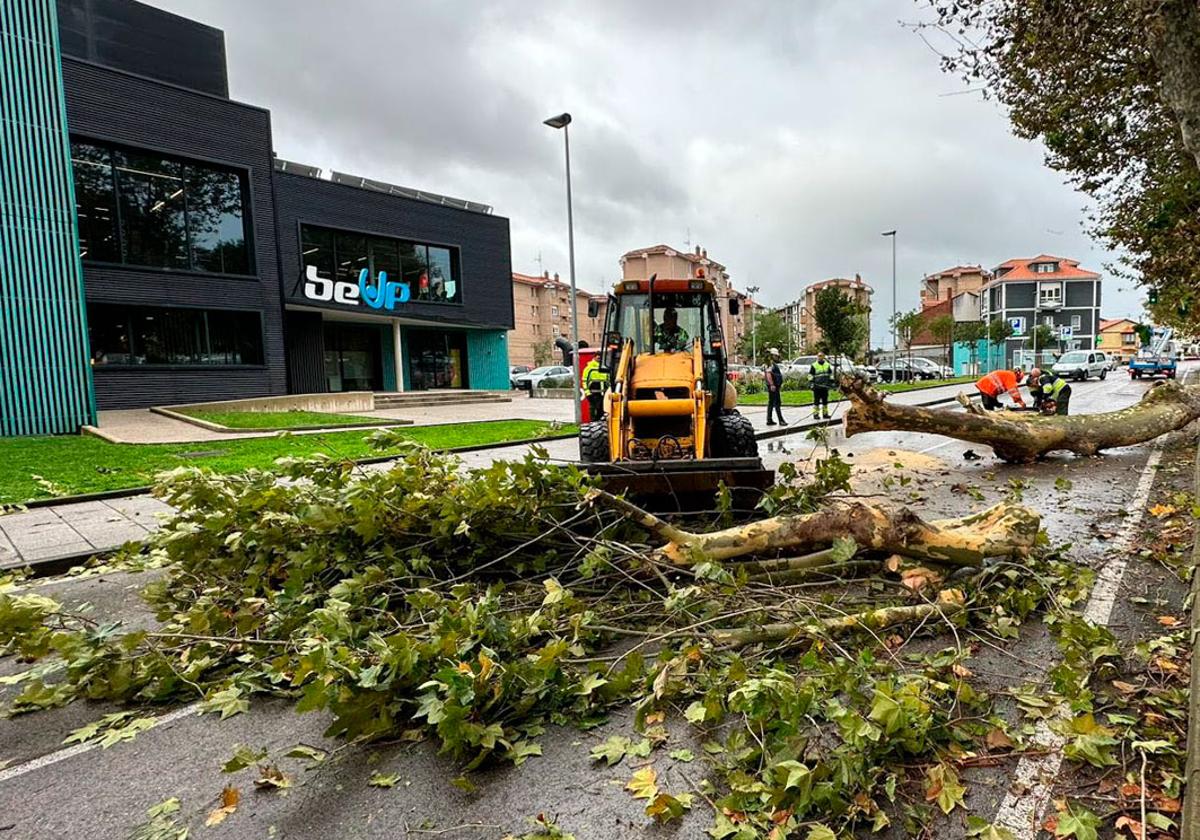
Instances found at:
x=214 y=216
x=316 y=246
x=442 y=274
x=385 y=256
x=153 y=215
x=414 y=260
x=141 y=208
x=95 y=202
x=352 y=256
x=144 y=335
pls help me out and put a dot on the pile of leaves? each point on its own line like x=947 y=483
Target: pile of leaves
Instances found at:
x=474 y=607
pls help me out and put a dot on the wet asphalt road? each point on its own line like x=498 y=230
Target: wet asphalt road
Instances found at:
x=103 y=794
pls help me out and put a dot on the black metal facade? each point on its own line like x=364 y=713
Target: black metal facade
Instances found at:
x=482 y=241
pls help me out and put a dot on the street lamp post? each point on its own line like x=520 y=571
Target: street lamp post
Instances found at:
x=751 y=291
x=562 y=121
x=895 y=343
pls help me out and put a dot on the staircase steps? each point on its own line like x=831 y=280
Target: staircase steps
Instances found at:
x=415 y=399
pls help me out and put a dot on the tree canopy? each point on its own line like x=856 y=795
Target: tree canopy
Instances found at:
x=767 y=330
x=842 y=321
x=1112 y=89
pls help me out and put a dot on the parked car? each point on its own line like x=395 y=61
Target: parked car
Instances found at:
x=842 y=365
x=736 y=373
x=897 y=371
x=535 y=377
x=1114 y=360
x=931 y=367
x=514 y=371
x=1081 y=364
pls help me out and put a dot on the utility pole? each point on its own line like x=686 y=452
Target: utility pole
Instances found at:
x=751 y=291
x=895 y=343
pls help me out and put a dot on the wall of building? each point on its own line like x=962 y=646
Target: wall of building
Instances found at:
x=45 y=381
x=115 y=107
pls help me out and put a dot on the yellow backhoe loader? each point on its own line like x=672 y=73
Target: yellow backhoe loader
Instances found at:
x=670 y=425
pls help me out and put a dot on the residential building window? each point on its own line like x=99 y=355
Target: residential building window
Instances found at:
x=1076 y=322
x=123 y=336
x=1050 y=294
x=431 y=271
x=1048 y=320
x=146 y=209
x=1045 y=268
x=1128 y=338
x=553 y=311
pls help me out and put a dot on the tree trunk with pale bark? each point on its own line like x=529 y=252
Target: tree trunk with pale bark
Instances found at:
x=1173 y=39
x=1022 y=437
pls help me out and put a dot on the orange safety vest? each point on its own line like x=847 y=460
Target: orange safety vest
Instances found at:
x=998 y=382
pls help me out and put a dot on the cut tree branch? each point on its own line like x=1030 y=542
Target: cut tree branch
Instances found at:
x=1022 y=437
x=1000 y=531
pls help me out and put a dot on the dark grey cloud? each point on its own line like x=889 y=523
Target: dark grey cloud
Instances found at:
x=784 y=136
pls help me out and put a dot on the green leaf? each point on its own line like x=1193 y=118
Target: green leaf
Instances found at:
x=228 y=702
x=942 y=787
x=590 y=683
x=695 y=712
x=1077 y=822
x=381 y=780
x=522 y=750
x=242 y=758
x=820 y=831
x=979 y=827
x=302 y=751
x=664 y=807
x=682 y=755
x=641 y=749
x=554 y=592
x=612 y=750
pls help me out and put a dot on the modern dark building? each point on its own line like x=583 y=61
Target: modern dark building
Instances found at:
x=213 y=270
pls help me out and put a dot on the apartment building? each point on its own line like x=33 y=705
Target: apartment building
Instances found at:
x=858 y=291
x=1119 y=338
x=1048 y=290
x=667 y=262
x=542 y=315
x=952 y=282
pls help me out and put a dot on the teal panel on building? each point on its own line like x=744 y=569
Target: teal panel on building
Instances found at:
x=487 y=360
x=45 y=377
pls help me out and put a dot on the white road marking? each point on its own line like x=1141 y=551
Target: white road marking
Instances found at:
x=78 y=749
x=1034 y=777
x=936 y=446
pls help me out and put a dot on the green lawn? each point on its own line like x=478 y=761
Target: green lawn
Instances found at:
x=280 y=419
x=42 y=467
x=805 y=397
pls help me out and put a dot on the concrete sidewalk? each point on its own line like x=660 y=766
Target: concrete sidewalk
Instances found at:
x=62 y=535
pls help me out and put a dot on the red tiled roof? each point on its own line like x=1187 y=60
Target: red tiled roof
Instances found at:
x=856 y=283
x=1105 y=323
x=1020 y=269
x=958 y=270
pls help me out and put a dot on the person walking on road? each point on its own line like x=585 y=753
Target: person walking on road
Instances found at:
x=774 y=378
x=998 y=382
x=1056 y=394
x=820 y=377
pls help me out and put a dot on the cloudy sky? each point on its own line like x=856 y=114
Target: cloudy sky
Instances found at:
x=781 y=137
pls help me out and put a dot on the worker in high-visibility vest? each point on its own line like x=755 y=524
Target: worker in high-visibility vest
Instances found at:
x=1056 y=394
x=992 y=385
x=595 y=383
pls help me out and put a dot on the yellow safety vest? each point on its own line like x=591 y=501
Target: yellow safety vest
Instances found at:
x=593 y=373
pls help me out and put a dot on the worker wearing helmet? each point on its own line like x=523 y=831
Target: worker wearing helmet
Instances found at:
x=1035 y=388
x=992 y=385
x=1056 y=394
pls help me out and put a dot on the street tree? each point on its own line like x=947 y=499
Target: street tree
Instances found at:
x=1041 y=338
x=942 y=330
x=970 y=333
x=543 y=351
x=842 y=321
x=1112 y=90
x=907 y=325
x=769 y=330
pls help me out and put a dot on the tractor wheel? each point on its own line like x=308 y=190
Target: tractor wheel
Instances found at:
x=733 y=437
x=593 y=443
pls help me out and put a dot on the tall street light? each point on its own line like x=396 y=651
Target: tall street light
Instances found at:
x=562 y=121
x=895 y=344
x=751 y=291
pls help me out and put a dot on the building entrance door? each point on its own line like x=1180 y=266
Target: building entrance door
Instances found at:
x=353 y=357
x=436 y=359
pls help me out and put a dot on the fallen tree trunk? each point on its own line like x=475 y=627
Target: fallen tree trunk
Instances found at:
x=949 y=603
x=1021 y=437
x=1003 y=530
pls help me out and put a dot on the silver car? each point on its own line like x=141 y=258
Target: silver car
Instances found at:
x=1081 y=365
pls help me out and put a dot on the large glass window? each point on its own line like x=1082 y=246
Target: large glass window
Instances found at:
x=431 y=271
x=145 y=335
x=96 y=202
x=142 y=208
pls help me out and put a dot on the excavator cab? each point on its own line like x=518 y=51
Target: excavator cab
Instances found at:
x=670 y=424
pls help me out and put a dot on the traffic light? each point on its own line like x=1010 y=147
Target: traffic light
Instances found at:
x=1153 y=297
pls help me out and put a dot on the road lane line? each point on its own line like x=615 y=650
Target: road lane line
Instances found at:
x=49 y=759
x=1030 y=790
